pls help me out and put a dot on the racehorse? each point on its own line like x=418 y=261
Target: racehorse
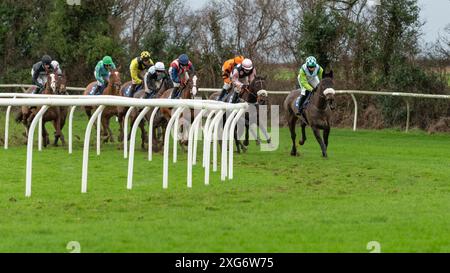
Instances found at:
x=161 y=87
x=316 y=113
x=112 y=89
x=55 y=85
x=188 y=91
x=254 y=94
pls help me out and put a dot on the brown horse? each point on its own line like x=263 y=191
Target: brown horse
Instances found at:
x=55 y=85
x=122 y=110
x=161 y=87
x=256 y=95
x=188 y=91
x=112 y=89
x=316 y=114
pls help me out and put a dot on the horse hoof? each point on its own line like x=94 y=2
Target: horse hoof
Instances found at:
x=245 y=143
x=258 y=143
x=294 y=154
x=269 y=141
x=301 y=142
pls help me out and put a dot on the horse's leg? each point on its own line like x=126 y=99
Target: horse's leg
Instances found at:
x=121 y=118
x=263 y=128
x=291 y=122
x=104 y=130
x=45 y=135
x=57 y=135
x=109 y=131
x=302 y=141
x=255 y=134
x=143 y=134
x=88 y=111
x=236 y=140
x=247 y=127
x=266 y=134
x=63 y=122
x=57 y=124
x=326 y=133
x=316 y=132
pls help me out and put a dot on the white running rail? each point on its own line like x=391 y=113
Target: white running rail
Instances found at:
x=45 y=101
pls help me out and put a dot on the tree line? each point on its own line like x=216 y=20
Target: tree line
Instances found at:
x=372 y=47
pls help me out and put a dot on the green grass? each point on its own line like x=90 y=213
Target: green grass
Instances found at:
x=384 y=186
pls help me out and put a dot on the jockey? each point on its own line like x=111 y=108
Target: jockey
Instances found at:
x=179 y=73
x=243 y=74
x=102 y=71
x=40 y=71
x=155 y=74
x=227 y=69
x=309 y=77
x=138 y=65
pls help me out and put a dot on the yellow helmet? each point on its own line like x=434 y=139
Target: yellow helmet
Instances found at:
x=145 y=55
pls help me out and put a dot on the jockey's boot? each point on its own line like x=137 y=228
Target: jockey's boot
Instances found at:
x=222 y=94
x=300 y=105
x=99 y=90
x=132 y=90
x=149 y=94
x=175 y=93
x=37 y=90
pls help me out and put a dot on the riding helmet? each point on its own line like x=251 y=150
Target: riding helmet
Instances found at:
x=46 y=59
x=107 y=60
x=183 y=59
x=247 y=64
x=159 y=66
x=145 y=55
x=311 y=61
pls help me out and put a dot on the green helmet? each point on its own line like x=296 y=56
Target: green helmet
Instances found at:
x=107 y=60
x=311 y=61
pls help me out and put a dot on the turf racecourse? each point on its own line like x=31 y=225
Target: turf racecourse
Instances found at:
x=384 y=186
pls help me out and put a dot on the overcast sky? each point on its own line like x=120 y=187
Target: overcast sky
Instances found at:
x=435 y=14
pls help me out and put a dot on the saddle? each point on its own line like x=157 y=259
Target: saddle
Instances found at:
x=305 y=104
x=127 y=91
x=93 y=90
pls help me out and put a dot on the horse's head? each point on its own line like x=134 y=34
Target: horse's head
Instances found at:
x=115 y=81
x=52 y=85
x=263 y=97
x=259 y=83
x=326 y=89
x=190 y=87
x=250 y=93
x=57 y=84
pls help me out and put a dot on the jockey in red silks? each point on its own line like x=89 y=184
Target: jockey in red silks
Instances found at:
x=180 y=71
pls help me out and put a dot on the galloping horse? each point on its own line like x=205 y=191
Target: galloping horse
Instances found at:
x=188 y=91
x=112 y=89
x=122 y=110
x=316 y=114
x=55 y=85
x=161 y=87
x=254 y=94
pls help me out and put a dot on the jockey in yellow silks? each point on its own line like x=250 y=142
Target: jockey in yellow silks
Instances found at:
x=137 y=66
